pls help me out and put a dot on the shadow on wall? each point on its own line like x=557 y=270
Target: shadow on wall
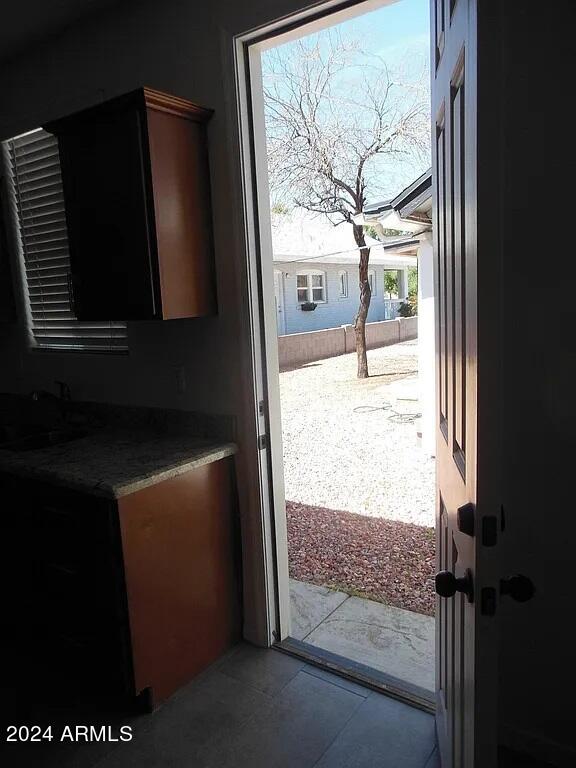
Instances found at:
x=384 y=560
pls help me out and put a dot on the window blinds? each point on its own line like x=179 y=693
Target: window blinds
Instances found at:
x=39 y=199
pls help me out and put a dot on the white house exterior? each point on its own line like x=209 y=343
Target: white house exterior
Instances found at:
x=316 y=262
x=411 y=211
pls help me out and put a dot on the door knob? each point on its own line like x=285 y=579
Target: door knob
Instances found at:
x=518 y=587
x=447 y=584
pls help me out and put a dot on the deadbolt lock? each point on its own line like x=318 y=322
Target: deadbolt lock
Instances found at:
x=520 y=588
x=465 y=519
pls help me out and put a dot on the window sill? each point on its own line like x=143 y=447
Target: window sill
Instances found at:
x=97 y=352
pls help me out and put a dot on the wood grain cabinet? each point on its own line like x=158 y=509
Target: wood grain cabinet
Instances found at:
x=137 y=193
x=114 y=599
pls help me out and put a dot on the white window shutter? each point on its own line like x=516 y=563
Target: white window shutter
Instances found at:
x=37 y=182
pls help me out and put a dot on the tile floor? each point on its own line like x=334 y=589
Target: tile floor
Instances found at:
x=380 y=636
x=258 y=709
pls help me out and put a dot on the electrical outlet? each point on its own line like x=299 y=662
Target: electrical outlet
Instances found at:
x=180 y=379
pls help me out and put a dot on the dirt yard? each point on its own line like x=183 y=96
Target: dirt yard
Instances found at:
x=360 y=490
x=351 y=444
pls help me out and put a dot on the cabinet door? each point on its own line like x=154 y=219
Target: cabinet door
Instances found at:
x=104 y=175
x=63 y=623
x=181 y=554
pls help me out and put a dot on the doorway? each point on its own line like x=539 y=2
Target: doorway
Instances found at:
x=468 y=328
x=325 y=426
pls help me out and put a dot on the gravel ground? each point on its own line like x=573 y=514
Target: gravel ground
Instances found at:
x=383 y=560
x=360 y=491
x=351 y=444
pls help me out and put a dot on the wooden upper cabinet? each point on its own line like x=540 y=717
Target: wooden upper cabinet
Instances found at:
x=137 y=192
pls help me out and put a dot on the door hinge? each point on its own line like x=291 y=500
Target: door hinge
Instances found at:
x=262 y=442
x=261 y=407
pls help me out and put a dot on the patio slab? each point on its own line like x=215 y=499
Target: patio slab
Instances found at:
x=310 y=605
x=388 y=639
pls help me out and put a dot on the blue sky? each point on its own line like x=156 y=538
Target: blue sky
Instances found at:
x=393 y=28
x=399 y=33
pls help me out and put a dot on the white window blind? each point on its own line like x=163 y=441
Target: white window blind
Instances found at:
x=39 y=202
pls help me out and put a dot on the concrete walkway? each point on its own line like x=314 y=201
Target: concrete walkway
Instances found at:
x=380 y=636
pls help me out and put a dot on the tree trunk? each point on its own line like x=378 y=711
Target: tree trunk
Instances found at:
x=365 y=296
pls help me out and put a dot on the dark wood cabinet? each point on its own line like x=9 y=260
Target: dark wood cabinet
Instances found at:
x=63 y=625
x=112 y=599
x=137 y=193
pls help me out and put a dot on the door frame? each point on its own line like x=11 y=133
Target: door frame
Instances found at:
x=272 y=550
x=280 y=312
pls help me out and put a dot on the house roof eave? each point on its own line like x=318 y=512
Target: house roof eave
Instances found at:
x=408 y=206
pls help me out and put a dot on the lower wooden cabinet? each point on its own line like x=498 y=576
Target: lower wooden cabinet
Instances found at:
x=119 y=599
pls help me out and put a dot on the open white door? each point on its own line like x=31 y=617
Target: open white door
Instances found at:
x=468 y=422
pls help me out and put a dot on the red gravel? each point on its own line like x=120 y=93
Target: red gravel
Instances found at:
x=384 y=560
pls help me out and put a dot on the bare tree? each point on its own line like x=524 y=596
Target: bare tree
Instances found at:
x=335 y=118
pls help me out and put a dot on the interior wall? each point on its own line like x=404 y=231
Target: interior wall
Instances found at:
x=537 y=669
x=181 y=47
x=176 y=50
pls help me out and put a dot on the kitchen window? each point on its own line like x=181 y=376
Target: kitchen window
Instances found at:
x=311 y=286
x=33 y=162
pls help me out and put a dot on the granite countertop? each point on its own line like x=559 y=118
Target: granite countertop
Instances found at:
x=116 y=462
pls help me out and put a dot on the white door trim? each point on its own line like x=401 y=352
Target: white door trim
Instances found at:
x=279 y=294
x=271 y=550
x=264 y=335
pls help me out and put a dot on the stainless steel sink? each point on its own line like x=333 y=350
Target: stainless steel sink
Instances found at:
x=40 y=440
